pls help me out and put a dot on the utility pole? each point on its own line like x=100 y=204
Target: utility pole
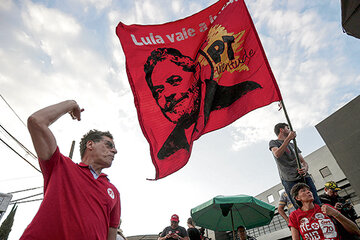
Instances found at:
x=72 y=149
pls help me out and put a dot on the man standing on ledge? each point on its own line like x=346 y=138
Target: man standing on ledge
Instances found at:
x=174 y=231
x=284 y=154
x=79 y=201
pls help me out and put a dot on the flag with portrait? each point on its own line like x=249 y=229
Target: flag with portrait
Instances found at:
x=194 y=76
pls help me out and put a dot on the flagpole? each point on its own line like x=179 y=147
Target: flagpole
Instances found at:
x=294 y=140
x=232 y=222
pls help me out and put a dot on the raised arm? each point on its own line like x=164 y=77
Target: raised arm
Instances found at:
x=305 y=166
x=39 y=122
x=279 y=151
x=349 y=225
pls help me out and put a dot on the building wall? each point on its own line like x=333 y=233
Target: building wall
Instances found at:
x=318 y=161
x=341 y=133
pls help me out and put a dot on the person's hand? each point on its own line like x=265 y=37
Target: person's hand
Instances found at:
x=168 y=236
x=75 y=112
x=176 y=236
x=338 y=206
x=292 y=135
x=302 y=171
x=326 y=209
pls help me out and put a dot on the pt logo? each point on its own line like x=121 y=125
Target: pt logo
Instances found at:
x=224 y=51
x=111 y=193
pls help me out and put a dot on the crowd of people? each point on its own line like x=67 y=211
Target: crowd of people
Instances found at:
x=339 y=213
x=94 y=209
x=327 y=216
x=176 y=232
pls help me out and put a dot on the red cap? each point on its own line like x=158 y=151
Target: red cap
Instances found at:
x=175 y=218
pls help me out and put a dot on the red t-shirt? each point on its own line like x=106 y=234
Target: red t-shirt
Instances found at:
x=76 y=205
x=313 y=224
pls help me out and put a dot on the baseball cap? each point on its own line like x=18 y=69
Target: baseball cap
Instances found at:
x=332 y=185
x=175 y=218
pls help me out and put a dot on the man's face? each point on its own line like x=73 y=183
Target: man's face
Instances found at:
x=331 y=193
x=174 y=94
x=174 y=224
x=103 y=152
x=242 y=233
x=285 y=131
x=305 y=195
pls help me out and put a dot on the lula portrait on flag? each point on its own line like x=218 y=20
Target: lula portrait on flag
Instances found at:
x=193 y=76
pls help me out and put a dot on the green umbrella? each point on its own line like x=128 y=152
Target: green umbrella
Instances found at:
x=244 y=211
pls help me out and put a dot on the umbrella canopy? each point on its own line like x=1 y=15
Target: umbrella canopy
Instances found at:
x=247 y=211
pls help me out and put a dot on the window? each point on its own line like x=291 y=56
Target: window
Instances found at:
x=281 y=191
x=270 y=198
x=325 y=171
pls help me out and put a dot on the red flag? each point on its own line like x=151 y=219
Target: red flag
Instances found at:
x=193 y=76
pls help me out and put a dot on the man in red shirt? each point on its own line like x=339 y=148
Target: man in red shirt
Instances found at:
x=79 y=201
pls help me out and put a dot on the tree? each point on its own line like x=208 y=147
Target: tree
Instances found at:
x=6 y=226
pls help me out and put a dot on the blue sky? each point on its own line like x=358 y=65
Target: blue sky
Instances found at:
x=51 y=51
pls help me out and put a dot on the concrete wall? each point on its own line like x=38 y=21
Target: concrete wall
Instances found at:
x=319 y=159
x=274 y=191
x=341 y=133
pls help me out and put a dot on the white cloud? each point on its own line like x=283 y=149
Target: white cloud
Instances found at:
x=256 y=126
x=98 y=4
x=149 y=13
x=177 y=6
x=5 y=5
x=42 y=20
x=194 y=7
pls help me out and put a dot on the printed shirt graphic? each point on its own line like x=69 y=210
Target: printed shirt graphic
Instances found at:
x=313 y=224
x=194 y=76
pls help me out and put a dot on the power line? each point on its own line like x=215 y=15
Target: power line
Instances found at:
x=20 y=155
x=13 y=201
x=18 y=142
x=34 y=200
x=28 y=189
x=12 y=110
